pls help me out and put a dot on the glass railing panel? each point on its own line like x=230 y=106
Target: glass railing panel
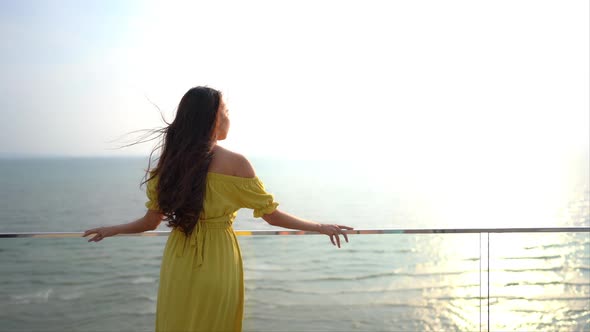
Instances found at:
x=374 y=283
x=68 y=284
x=540 y=281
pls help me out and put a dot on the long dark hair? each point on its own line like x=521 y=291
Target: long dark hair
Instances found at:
x=186 y=152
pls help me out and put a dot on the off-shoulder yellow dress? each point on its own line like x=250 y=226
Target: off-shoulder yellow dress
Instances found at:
x=201 y=277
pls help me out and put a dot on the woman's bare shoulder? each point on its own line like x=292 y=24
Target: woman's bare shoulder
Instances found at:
x=231 y=163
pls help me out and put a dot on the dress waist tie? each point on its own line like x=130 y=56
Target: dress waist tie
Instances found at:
x=197 y=237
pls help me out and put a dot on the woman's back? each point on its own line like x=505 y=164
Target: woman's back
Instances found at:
x=231 y=184
x=201 y=277
x=230 y=163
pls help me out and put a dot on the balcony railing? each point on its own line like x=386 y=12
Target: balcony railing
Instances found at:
x=360 y=231
x=383 y=280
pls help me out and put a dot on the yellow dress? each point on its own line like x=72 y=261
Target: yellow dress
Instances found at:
x=201 y=277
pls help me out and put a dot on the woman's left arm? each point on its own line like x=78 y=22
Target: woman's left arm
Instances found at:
x=149 y=222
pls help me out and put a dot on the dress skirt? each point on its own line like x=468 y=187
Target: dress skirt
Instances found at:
x=201 y=284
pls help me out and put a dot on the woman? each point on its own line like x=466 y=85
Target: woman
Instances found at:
x=198 y=187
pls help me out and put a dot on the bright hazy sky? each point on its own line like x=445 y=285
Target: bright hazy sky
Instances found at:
x=303 y=79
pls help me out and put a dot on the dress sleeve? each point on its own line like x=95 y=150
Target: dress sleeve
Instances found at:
x=152 y=194
x=254 y=196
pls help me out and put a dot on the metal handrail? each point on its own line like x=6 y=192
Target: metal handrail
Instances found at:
x=356 y=231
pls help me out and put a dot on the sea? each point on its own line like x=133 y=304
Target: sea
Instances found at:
x=374 y=282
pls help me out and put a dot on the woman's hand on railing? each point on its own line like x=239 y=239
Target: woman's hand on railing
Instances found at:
x=333 y=231
x=101 y=233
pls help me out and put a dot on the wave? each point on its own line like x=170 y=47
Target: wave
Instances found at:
x=550 y=269
x=361 y=305
x=373 y=276
x=356 y=291
x=547 y=283
x=138 y=313
x=265 y=267
x=280 y=289
x=535 y=257
x=380 y=251
x=557 y=245
x=123 y=278
x=143 y=280
x=70 y=296
x=389 y=274
x=570 y=312
x=37 y=297
x=542 y=298
x=144 y=298
x=539 y=269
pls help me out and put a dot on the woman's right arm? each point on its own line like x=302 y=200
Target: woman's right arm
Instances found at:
x=282 y=219
x=243 y=168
